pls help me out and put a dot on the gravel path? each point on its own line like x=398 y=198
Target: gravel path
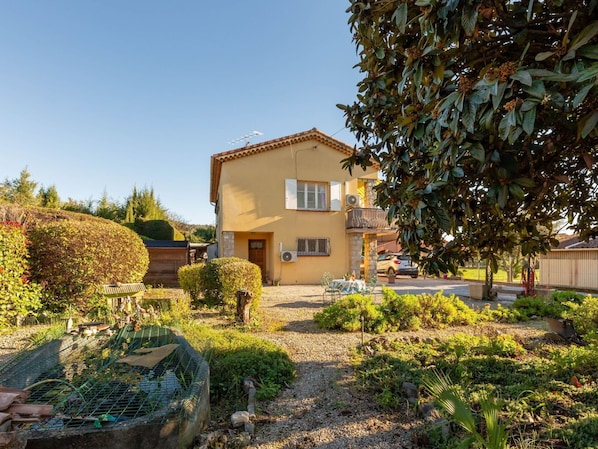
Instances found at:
x=323 y=408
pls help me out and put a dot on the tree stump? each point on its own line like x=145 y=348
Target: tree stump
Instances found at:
x=244 y=298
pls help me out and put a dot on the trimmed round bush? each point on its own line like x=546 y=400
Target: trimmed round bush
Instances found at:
x=71 y=259
x=221 y=278
x=189 y=280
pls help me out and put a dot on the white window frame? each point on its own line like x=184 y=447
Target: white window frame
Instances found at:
x=313 y=246
x=325 y=195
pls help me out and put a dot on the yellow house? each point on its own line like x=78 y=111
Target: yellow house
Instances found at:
x=288 y=206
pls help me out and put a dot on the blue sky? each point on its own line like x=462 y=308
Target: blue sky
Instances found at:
x=103 y=96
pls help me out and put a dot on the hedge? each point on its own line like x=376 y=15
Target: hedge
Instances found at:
x=72 y=259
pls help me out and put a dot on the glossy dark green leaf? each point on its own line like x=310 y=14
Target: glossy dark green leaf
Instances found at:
x=523 y=76
x=589 y=124
x=590 y=52
x=529 y=121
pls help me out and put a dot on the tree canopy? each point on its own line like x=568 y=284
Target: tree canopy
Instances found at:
x=482 y=116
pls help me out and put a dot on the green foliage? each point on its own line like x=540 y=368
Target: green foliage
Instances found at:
x=49 y=197
x=144 y=205
x=450 y=399
x=531 y=383
x=483 y=128
x=557 y=306
x=234 y=356
x=221 y=278
x=348 y=314
x=579 y=360
x=410 y=312
x=19 y=191
x=536 y=306
x=504 y=314
x=567 y=296
x=584 y=316
x=502 y=345
x=396 y=312
x=189 y=280
x=205 y=234
x=71 y=259
x=18 y=296
x=157 y=229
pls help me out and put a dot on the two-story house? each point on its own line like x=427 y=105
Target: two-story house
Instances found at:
x=288 y=206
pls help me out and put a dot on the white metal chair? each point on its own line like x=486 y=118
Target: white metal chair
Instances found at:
x=330 y=293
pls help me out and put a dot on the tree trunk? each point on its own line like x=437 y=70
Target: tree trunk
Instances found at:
x=244 y=298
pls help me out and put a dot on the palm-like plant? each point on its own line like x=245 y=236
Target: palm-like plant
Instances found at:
x=450 y=400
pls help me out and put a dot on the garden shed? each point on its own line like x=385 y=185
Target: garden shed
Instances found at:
x=165 y=259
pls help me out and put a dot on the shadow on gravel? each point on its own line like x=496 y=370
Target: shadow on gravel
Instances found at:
x=304 y=326
x=300 y=305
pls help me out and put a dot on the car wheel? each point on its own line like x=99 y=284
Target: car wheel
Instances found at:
x=390 y=272
x=414 y=276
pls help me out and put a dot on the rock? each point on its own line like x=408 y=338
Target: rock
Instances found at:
x=411 y=392
x=239 y=419
x=429 y=412
x=249 y=428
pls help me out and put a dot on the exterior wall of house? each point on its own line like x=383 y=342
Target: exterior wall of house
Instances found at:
x=570 y=269
x=252 y=204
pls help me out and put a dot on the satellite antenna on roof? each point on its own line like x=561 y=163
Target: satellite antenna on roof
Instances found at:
x=246 y=138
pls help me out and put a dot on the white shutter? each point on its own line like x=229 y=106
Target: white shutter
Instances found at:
x=290 y=193
x=335 y=195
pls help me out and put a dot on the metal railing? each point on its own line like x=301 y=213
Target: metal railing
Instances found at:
x=367 y=219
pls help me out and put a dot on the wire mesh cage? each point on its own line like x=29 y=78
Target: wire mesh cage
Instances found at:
x=151 y=380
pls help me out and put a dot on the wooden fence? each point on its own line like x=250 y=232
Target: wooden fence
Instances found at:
x=570 y=269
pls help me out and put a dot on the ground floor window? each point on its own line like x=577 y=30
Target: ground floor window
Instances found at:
x=313 y=247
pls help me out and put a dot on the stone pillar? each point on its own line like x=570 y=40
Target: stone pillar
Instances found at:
x=355 y=245
x=370 y=195
x=371 y=255
x=227 y=245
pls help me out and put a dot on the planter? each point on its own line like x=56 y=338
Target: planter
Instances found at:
x=478 y=291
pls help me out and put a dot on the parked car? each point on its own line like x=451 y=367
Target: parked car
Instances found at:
x=394 y=263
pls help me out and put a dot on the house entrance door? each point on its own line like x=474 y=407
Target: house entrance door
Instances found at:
x=257 y=255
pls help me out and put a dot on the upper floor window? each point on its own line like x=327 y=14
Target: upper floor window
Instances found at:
x=312 y=195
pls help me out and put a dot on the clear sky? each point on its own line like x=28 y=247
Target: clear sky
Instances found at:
x=103 y=96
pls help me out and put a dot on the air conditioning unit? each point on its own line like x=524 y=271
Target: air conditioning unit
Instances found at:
x=352 y=200
x=288 y=256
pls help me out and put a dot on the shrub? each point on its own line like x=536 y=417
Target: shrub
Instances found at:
x=234 y=356
x=535 y=306
x=584 y=315
x=18 y=296
x=221 y=278
x=190 y=280
x=71 y=259
x=410 y=312
x=157 y=229
x=347 y=313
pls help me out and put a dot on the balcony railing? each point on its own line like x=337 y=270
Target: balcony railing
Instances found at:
x=367 y=219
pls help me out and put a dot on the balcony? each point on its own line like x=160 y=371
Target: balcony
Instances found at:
x=367 y=220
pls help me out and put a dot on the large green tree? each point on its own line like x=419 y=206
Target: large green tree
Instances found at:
x=482 y=115
x=20 y=190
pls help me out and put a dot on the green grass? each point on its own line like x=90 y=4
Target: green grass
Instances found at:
x=477 y=274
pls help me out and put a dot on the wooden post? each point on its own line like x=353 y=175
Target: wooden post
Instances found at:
x=244 y=298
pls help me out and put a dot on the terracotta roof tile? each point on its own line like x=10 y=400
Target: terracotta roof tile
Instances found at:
x=315 y=134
